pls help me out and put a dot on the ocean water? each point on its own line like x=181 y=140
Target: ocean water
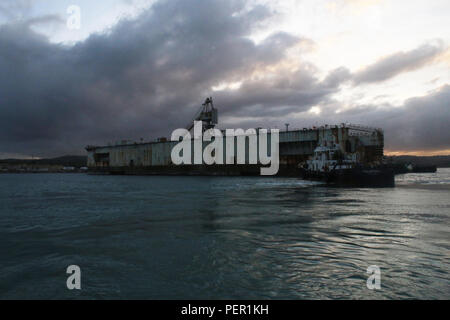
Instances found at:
x=222 y=237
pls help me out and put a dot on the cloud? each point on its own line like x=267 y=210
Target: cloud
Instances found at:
x=400 y=62
x=15 y=10
x=148 y=76
x=282 y=93
x=419 y=124
x=143 y=78
x=42 y=20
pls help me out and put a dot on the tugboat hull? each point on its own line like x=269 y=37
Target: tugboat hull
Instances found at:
x=356 y=177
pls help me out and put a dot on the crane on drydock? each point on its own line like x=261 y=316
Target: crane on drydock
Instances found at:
x=207 y=114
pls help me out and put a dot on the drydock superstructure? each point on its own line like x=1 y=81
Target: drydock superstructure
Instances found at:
x=364 y=145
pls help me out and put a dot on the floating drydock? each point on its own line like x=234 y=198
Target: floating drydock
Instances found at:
x=363 y=145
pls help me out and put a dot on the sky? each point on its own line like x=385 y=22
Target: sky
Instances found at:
x=132 y=69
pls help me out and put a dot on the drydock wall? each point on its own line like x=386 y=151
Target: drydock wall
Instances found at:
x=295 y=146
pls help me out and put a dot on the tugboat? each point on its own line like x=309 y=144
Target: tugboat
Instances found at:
x=337 y=168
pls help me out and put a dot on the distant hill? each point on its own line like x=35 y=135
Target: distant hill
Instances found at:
x=439 y=161
x=67 y=161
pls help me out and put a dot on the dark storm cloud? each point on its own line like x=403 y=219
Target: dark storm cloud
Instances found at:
x=400 y=62
x=143 y=79
x=285 y=93
x=148 y=76
x=42 y=20
x=419 y=124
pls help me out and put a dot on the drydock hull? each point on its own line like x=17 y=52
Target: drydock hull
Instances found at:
x=196 y=170
x=295 y=147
